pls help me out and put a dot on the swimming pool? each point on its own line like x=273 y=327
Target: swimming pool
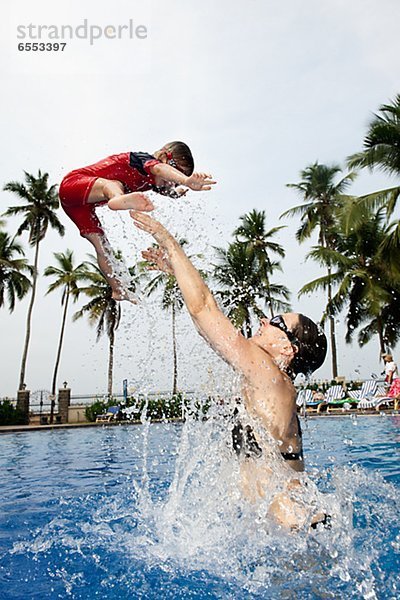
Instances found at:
x=153 y=511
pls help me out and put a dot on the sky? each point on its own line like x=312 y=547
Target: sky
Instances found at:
x=258 y=89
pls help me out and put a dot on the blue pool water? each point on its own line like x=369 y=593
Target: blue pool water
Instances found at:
x=154 y=511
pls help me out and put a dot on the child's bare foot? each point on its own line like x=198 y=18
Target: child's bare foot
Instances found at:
x=139 y=201
x=135 y=200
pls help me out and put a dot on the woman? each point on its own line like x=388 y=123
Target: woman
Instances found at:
x=390 y=369
x=282 y=347
x=392 y=379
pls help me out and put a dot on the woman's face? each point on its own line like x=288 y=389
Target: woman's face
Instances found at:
x=273 y=338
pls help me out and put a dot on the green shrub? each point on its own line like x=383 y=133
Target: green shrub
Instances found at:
x=157 y=408
x=97 y=408
x=10 y=415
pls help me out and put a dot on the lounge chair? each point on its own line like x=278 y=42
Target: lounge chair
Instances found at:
x=304 y=397
x=352 y=398
x=387 y=401
x=367 y=390
x=333 y=395
x=111 y=415
x=377 y=401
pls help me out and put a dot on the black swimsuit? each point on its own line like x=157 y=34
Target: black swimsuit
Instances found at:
x=245 y=443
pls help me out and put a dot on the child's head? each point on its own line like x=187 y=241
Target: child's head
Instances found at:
x=178 y=155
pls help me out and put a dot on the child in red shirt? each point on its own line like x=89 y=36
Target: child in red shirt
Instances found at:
x=120 y=180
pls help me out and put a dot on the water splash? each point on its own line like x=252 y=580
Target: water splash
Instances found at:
x=179 y=515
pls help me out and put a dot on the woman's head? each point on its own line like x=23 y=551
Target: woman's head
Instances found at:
x=304 y=345
x=312 y=346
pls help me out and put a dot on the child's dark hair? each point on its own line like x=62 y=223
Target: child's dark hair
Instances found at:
x=182 y=156
x=312 y=347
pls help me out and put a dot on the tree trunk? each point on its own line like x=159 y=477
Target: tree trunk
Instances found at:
x=381 y=337
x=332 y=331
x=111 y=364
x=248 y=327
x=174 y=352
x=28 y=319
x=271 y=309
x=54 y=382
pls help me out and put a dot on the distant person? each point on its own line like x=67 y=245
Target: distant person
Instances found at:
x=119 y=181
x=283 y=346
x=392 y=379
x=318 y=396
x=391 y=371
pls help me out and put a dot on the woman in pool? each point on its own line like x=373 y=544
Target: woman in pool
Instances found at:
x=282 y=347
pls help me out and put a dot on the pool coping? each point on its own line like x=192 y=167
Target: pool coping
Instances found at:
x=309 y=415
x=28 y=428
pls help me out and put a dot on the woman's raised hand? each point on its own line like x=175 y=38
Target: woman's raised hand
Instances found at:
x=158 y=260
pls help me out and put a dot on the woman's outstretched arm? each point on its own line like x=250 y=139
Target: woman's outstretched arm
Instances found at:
x=212 y=324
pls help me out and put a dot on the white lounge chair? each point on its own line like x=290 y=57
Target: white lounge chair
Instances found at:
x=367 y=390
x=335 y=392
x=378 y=399
x=388 y=400
x=304 y=397
x=333 y=395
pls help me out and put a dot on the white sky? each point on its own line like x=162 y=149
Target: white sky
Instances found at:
x=258 y=89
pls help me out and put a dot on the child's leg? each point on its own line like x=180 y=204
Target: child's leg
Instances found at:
x=104 y=252
x=113 y=191
x=134 y=200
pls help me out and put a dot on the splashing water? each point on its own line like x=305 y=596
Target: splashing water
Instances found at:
x=156 y=511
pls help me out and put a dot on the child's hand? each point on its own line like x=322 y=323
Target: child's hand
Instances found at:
x=158 y=260
x=200 y=182
x=181 y=191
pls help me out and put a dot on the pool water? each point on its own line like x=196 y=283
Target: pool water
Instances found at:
x=154 y=511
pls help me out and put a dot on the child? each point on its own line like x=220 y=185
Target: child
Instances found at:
x=120 y=180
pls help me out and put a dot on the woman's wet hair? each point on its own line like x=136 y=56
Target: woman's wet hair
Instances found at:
x=182 y=156
x=312 y=347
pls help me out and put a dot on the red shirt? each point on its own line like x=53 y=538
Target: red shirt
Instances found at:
x=130 y=168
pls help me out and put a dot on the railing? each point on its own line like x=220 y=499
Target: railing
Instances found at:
x=120 y=398
x=40 y=403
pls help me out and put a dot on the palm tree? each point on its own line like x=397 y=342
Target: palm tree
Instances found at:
x=102 y=310
x=67 y=278
x=171 y=300
x=364 y=283
x=321 y=196
x=259 y=242
x=244 y=283
x=382 y=151
x=13 y=281
x=38 y=212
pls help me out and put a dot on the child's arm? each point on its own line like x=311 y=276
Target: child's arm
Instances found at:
x=196 y=181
